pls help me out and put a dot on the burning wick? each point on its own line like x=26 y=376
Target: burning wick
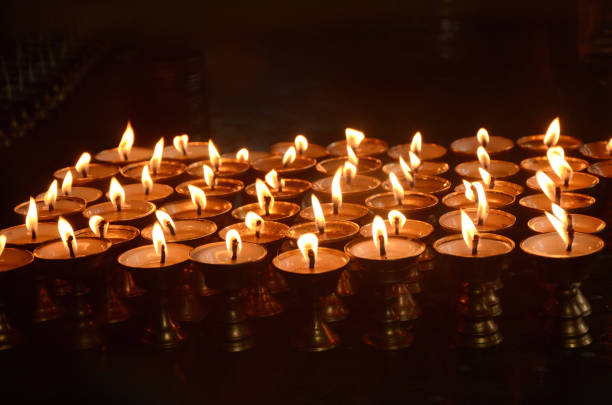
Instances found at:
x=311 y=259
x=258 y=229
x=101 y=227
x=558 y=195
x=33 y=232
x=171 y=229
x=475 y=242
x=396 y=225
x=381 y=245
x=162 y=256
x=124 y=156
x=267 y=201
x=570 y=233
x=335 y=208
x=198 y=209
x=118 y=203
x=70 y=247
x=234 y=249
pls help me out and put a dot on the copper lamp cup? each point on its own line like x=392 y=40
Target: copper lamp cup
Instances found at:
x=293 y=191
x=112 y=156
x=225 y=188
x=301 y=168
x=595 y=150
x=11 y=261
x=18 y=236
x=191 y=232
x=536 y=203
x=282 y=211
x=98 y=176
x=415 y=205
x=497 y=221
x=366 y=166
x=355 y=192
x=579 y=181
x=423 y=184
x=602 y=169
x=195 y=151
x=314 y=151
x=135 y=213
x=581 y=223
x=67 y=207
x=216 y=210
x=168 y=172
x=533 y=164
x=89 y=194
x=499 y=169
x=534 y=144
x=427 y=168
x=346 y=212
x=469 y=145
x=502 y=186
x=429 y=151
x=496 y=199
x=158 y=194
x=368 y=147
x=229 y=168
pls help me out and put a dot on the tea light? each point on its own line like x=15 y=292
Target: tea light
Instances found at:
x=364 y=165
x=540 y=143
x=187 y=231
x=496 y=168
x=246 y=156
x=290 y=164
x=147 y=190
x=198 y=207
x=495 y=185
x=186 y=151
x=226 y=266
x=84 y=173
x=89 y=194
x=427 y=168
x=159 y=170
x=32 y=232
x=495 y=199
x=552 y=193
x=602 y=169
x=398 y=225
x=423 y=150
x=495 y=221
x=52 y=207
x=359 y=143
x=410 y=203
x=578 y=181
x=493 y=144
x=227 y=167
x=314 y=270
x=354 y=188
x=580 y=223
x=600 y=150
x=302 y=147
x=282 y=189
x=421 y=183
x=220 y=187
x=125 y=153
x=534 y=164
x=267 y=207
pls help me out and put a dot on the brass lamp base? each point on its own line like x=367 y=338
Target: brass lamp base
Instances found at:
x=406 y=307
x=125 y=286
x=9 y=338
x=582 y=302
x=198 y=282
x=275 y=281
x=568 y=326
x=45 y=308
x=260 y=303
x=85 y=333
x=476 y=327
x=187 y=305
x=346 y=285
x=333 y=309
x=317 y=338
x=237 y=333
x=389 y=335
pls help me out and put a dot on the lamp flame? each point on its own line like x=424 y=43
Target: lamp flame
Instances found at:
x=209 y=175
x=2 y=243
x=546 y=185
x=289 y=156
x=398 y=190
x=561 y=222
x=397 y=220
x=116 y=194
x=469 y=232
x=555 y=150
x=353 y=137
x=94 y=224
x=254 y=222
x=159 y=242
x=67 y=183
x=301 y=144
x=67 y=234
x=214 y=156
x=561 y=168
x=348 y=172
x=379 y=235
x=552 y=133
x=483 y=158
x=51 y=195
x=146 y=180
x=485 y=176
x=31 y=220
x=233 y=243
x=126 y=143
x=82 y=165
x=609 y=146
x=264 y=196
x=318 y=214
x=407 y=171
x=469 y=193
x=198 y=198
x=483 y=137
x=482 y=211
x=352 y=157
x=336 y=190
x=156 y=159
x=181 y=143
x=166 y=222
x=416 y=144
x=309 y=244
x=243 y=155
x=273 y=181
x=415 y=162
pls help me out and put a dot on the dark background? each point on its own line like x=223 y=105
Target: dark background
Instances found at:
x=252 y=73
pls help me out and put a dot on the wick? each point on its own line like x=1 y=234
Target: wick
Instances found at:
x=492 y=184
x=184 y=151
x=311 y=259
x=349 y=180
x=475 y=242
x=147 y=190
x=162 y=259
x=280 y=185
x=399 y=201
x=558 y=195
x=199 y=209
x=382 y=247
x=234 y=249
x=154 y=171
x=70 y=247
x=84 y=173
x=566 y=182
x=335 y=208
x=267 y=200
x=396 y=224
x=125 y=156
x=33 y=234
x=321 y=230
x=171 y=229
x=118 y=203
x=101 y=228
x=480 y=220
x=570 y=233
x=258 y=229
x=51 y=207
x=213 y=181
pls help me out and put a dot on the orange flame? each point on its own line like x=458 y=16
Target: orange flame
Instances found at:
x=82 y=165
x=397 y=220
x=353 y=137
x=116 y=194
x=308 y=243
x=468 y=230
x=156 y=159
x=264 y=196
x=181 y=143
x=398 y=190
x=555 y=150
x=352 y=157
x=51 y=195
x=469 y=193
x=67 y=235
x=159 y=242
x=483 y=206
x=214 y=156
x=546 y=185
x=301 y=144
x=127 y=141
x=254 y=222
x=273 y=181
x=243 y=155
x=318 y=213
x=289 y=156
x=2 y=243
x=561 y=167
x=609 y=146
x=483 y=158
x=31 y=220
x=415 y=162
x=416 y=144
x=67 y=183
x=146 y=180
x=559 y=220
x=232 y=238
x=198 y=198
x=348 y=172
x=379 y=234
x=336 y=190
x=552 y=133
x=483 y=137
x=94 y=225
x=165 y=220
x=209 y=175
x=485 y=176
x=407 y=170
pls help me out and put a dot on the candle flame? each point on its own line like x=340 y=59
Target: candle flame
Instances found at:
x=66 y=231
x=181 y=143
x=263 y=193
x=398 y=190
x=308 y=242
x=468 y=230
x=318 y=213
x=82 y=165
x=146 y=180
x=336 y=189
x=395 y=216
x=272 y=180
x=546 y=185
x=353 y=137
x=407 y=170
x=231 y=236
x=116 y=194
x=253 y=221
x=127 y=141
x=243 y=155
x=559 y=221
x=485 y=176
x=51 y=195
x=483 y=206
x=379 y=229
x=67 y=183
x=301 y=144
x=31 y=220
x=416 y=144
x=94 y=225
x=561 y=167
x=483 y=137
x=352 y=157
x=469 y=193
x=159 y=241
x=415 y=161
x=289 y=156
x=483 y=158
x=609 y=146
x=209 y=175
x=214 y=156
x=348 y=172
x=555 y=150
x=552 y=133
x=156 y=159
x=2 y=243
x=198 y=198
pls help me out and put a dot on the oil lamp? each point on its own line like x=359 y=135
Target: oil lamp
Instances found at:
x=475 y=258
x=354 y=187
x=302 y=147
x=85 y=173
x=266 y=206
x=333 y=234
x=314 y=272
x=562 y=175
x=120 y=211
x=600 y=150
x=423 y=150
x=534 y=164
x=426 y=168
x=289 y=164
x=563 y=258
x=159 y=170
x=494 y=145
x=11 y=260
x=412 y=181
x=467 y=198
x=495 y=185
x=125 y=153
x=359 y=143
x=227 y=266
x=536 y=144
x=245 y=155
x=199 y=207
x=364 y=165
x=89 y=194
x=222 y=167
x=186 y=151
x=73 y=259
x=221 y=187
x=147 y=190
x=50 y=207
x=386 y=262
x=552 y=193
x=260 y=303
x=158 y=264
x=496 y=168
x=292 y=190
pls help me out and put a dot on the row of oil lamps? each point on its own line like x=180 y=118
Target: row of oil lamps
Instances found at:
x=327 y=252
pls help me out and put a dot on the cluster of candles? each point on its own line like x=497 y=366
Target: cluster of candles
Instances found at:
x=322 y=221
